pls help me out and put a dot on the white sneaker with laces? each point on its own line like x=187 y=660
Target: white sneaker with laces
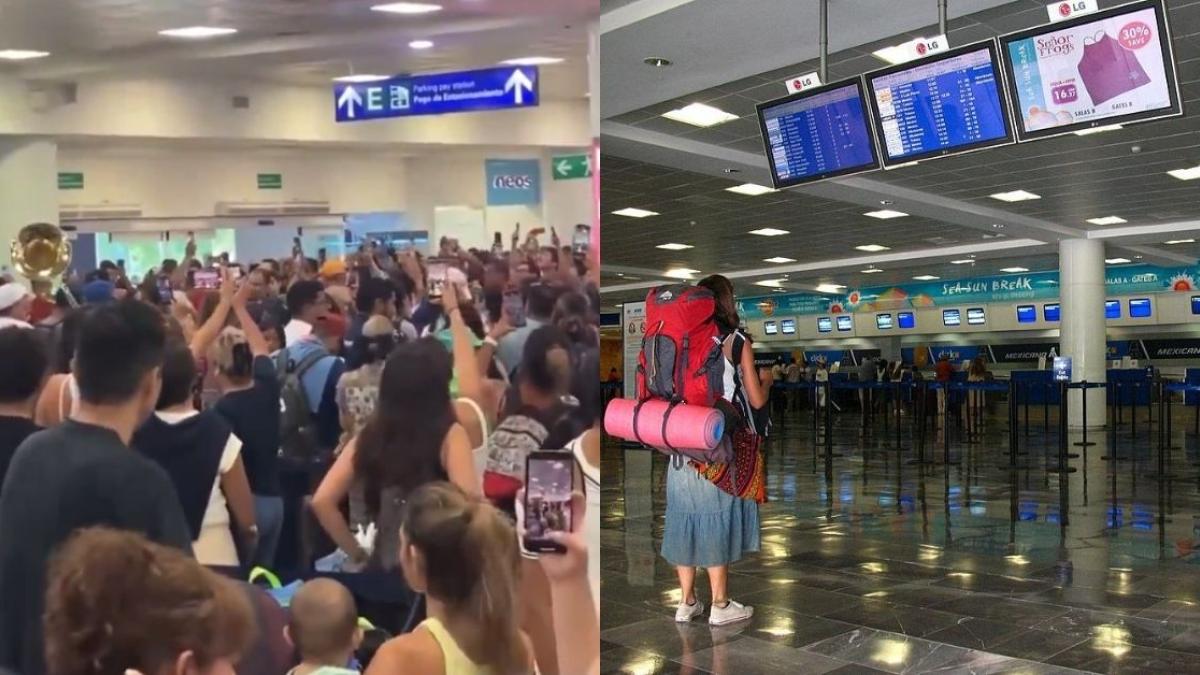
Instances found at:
x=685 y=612
x=732 y=612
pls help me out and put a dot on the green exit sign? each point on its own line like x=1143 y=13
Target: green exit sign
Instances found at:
x=270 y=181
x=70 y=180
x=568 y=167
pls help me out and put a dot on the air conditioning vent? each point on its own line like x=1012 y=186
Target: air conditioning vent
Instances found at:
x=98 y=211
x=319 y=208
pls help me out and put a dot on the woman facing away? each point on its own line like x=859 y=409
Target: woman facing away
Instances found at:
x=461 y=552
x=706 y=524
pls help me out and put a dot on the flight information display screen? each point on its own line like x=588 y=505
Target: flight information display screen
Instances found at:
x=975 y=316
x=906 y=320
x=950 y=102
x=816 y=134
x=824 y=324
x=788 y=326
x=845 y=323
x=951 y=317
x=1112 y=309
x=1139 y=308
x=1050 y=312
x=883 y=321
x=1110 y=67
x=1026 y=314
x=770 y=328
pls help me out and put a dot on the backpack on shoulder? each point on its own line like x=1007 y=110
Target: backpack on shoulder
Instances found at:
x=297 y=428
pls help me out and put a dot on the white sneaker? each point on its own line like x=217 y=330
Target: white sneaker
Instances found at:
x=685 y=612
x=730 y=613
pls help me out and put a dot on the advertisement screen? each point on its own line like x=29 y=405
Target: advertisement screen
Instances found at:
x=951 y=317
x=817 y=134
x=1062 y=369
x=1112 y=309
x=1111 y=67
x=906 y=320
x=1026 y=314
x=1139 y=308
x=947 y=103
x=770 y=328
x=1050 y=311
x=845 y=323
x=883 y=321
x=824 y=324
x=789 y=326
x=975 y=316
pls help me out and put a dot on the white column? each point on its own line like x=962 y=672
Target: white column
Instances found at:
x=28 y=188
x=1081 y=284
x=594 y=76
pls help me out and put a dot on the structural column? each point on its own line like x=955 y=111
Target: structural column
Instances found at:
x=1081 y=284
x=28 y=188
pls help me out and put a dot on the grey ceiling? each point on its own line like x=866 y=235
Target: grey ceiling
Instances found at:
x=1077 y=177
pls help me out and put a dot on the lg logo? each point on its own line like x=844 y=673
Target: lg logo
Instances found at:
x=921 y=48
x=512 y=182
x=1064 y=10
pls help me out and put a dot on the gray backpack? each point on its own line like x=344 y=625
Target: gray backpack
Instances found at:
x=297 y=428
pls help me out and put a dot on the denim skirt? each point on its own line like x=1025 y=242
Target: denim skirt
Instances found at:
x=706 y=527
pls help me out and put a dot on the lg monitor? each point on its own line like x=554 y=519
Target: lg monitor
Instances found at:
x=1139 y=308
x=788 y=326
x=951 y=317
x=1050 y=311
x=975 y=316
x=817 y=134
x=770 y=327
x=1104 y=68
x=883 y=321
x=1112 y=309
x=845 y=323
x=906 y=320
x=824 y=324
x=1026 y=314
x=947 y=103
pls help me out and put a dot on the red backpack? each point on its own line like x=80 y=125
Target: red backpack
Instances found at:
x=681 y=355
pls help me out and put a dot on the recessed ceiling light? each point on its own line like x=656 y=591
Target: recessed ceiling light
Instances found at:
x=752 y=189
x=1015 y=196
x=532 y=61
x=768 y=232
x=407 y=8
x=884 y=214
x=1186 y=174
x=681 y=273
x=894 y=54
x=361 y=77
x=421 y=44
x=1098 y=130
x=1117 y=261
x=1138 y=257
x=634 y=213
x=779 y=290
x=700 y=115
x=1181 y=241
x=674 y=247
x=962 y=261
x=1014 y=270
x=21 y=54
x=829 y=288
x=197 y=32
x=779 y=260
x=1107 y=220
x=926 y=277
x=872 y=248
x=870 y=270
x=656 y=61
x=769 y=283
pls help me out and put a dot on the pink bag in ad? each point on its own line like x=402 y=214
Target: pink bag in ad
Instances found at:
x=1108 y=69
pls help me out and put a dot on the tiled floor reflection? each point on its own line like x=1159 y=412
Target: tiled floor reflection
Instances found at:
x=872 y=563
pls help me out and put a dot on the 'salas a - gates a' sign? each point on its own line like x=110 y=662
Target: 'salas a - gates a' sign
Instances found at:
x=411 y=95
x=513 y=182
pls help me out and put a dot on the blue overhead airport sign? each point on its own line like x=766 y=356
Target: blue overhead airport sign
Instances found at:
x=466 y=91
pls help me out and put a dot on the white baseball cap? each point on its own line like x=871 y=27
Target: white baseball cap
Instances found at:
x=12 y=293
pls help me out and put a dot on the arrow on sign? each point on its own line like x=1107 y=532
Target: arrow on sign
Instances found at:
x=520 y=82
x=350 y=99
x=563 y=167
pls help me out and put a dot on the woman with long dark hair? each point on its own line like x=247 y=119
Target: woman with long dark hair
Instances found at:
x=710 y=522
x=411 y=439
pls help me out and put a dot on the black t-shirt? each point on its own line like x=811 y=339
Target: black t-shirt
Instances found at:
x=254 y=416
x=68 y=477
x=13 y=431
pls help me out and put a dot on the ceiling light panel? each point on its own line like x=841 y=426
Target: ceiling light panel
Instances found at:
x=870 y=270
x=779 y=260
x=768 y=232
x=197 y=32
x=872 y=248
x=926 y=277
x=1180 y=241
x=751 y=189
x=21 y=54
x=420 y=44
x=1186 y=174
x=885 y=214
x=1098 y=130
x=532 y=61
x=1117 y=261
x=962 y=261
x=360 y=77
x=699 y=115
x=631 y=212
x=829 y=288
x=770 y=283
x=407 y=8
x=1015 y=196
x=1107 y=220
x=1014 y=270
x=681 y=273
x=674 y=247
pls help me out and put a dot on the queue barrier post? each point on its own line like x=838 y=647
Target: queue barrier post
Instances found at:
x=1083 y=412
x=1161 y=473
x=1063 y=466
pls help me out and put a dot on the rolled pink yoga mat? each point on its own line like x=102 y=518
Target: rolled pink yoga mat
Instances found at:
x=689 y=426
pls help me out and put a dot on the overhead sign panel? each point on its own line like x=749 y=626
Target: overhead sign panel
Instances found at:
x=466 y=91
x=1110 y=67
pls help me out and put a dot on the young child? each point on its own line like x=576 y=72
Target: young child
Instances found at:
x=324 y=629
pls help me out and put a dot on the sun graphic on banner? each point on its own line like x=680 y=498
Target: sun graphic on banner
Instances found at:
x=836 y=308
x=853 y=298
x=1182 y=282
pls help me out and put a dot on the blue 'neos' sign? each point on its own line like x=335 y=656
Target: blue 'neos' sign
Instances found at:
x=513 y=182
x=466 y=91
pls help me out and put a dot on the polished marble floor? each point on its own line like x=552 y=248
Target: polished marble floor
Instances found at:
x=871 y=563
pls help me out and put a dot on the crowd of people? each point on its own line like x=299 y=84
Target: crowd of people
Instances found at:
x=147 y=428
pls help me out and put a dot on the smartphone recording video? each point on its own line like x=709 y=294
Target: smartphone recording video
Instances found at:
x=166 y=294
x=549 y=482
x=582 y=239
x=207 y=279
x=437 y=270
x=514 y=308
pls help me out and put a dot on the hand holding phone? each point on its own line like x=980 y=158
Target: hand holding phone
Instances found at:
x=549 y=484
x=437 y=271
x=581 y=240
